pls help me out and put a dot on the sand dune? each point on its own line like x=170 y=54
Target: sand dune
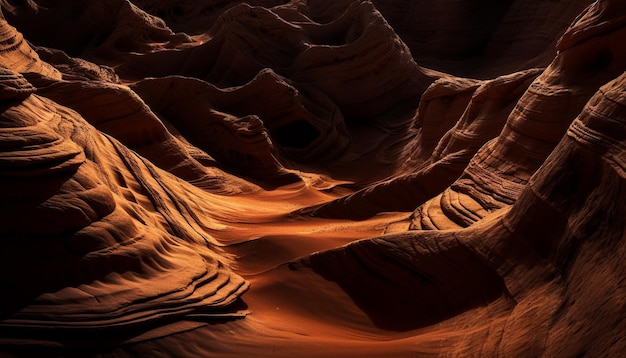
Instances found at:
x=312 y=178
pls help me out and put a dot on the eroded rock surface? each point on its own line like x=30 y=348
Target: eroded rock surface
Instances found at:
x=231 y=178
x=91 y=237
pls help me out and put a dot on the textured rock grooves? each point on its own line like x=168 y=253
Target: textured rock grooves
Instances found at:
x=500 y=170
x=117 y=111
x=543 y=248
x=84 y=253
x=455 y=118
x=305 y=127
x=232 y=178
x=15 y=53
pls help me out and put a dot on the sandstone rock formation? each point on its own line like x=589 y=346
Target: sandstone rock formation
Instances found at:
x=322 y=178
x=500 y=171
x=455 y=118
x=91 y=235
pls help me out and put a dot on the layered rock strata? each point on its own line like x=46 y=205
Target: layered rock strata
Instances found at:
x=530 y=270
x=150 y=177
x=456 y=117
x=93 y=237
x=499 y=171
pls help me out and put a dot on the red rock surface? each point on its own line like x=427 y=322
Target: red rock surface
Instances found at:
x=312 y=178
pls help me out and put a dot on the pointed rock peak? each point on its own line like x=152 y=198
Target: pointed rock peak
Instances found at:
x=601 y=17
x=16 y=53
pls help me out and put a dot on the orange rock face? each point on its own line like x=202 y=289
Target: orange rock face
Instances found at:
x=312 y=178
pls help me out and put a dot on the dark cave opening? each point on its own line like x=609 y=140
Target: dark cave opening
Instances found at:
x=297 y=134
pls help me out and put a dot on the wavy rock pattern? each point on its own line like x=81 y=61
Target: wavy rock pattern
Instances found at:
x=117 y=111
x=579 y=194
x=305 y=46
x=230 y=54
x=82 y=249
x=499 y=172
x=241 y=141
x=304 y=127
x=382 y=73
x=528 y=271
x=159 y=159
x=94 y=92
x=455 y=118
x=15 y=53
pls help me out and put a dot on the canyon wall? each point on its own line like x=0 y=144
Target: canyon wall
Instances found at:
x=320 y=178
